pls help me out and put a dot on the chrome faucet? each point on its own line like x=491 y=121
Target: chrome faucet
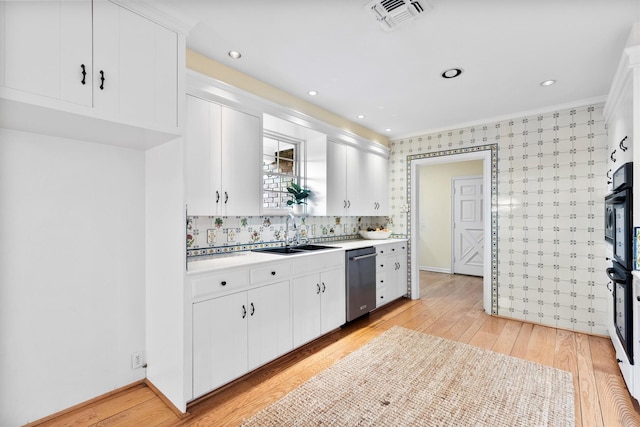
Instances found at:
x=287 y=239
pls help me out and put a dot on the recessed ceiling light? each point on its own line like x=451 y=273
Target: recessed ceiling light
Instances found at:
x=387 y=130
x=361 y=116
x=451 y=73
x=234 y=54
x=313 y=92
x=547 y=83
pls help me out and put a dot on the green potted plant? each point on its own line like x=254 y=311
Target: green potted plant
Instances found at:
x=299 y=195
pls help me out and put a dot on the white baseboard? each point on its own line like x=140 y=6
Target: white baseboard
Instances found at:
x=435 y=269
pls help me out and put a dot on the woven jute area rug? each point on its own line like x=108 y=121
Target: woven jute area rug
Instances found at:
x=407 y=378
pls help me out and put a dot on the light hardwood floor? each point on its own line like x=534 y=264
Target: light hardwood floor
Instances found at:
x=450 y=307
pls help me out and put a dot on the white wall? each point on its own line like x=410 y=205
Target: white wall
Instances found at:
x=165 y=263
x=435 y=211
x=72 y=291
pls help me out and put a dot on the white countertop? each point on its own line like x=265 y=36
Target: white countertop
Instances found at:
x=238 y=259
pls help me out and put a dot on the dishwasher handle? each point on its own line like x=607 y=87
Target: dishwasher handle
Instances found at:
x=358 y=258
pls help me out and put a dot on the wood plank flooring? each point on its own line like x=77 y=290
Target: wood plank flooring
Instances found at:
x=450 y=307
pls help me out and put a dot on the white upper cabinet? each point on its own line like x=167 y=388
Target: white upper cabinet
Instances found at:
x=222 y=155
x=75 y=62
x=356 y=182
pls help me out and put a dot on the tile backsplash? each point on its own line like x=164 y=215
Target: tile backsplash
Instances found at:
x=551 y=183
x=208 y=235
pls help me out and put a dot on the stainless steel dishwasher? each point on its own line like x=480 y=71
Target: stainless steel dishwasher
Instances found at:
x=361 y=281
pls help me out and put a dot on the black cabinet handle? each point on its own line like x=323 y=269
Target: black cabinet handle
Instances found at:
x=84 y=74
x=226 y=197
x=253 y=309
x=622 y=146
x=223 y=283
x=244 y=311
x=348 y=203
x=324 y=288
x=102 y=79
x=318 y=285
x=345 y=204
x=217 y=196
x=613 y=153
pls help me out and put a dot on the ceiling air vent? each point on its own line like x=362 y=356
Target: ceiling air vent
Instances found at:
x=391 y=13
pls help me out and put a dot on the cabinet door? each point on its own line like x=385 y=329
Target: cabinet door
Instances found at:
x=135 y=73
x=46 y=45
x=356 y=182
x=401 y=271
x=270 y=332
x=219 y=341
x=378 y=188
x=333 y=299
x=306 y=308
x=202 y=157
x=106 y=56
x=241 y=165
x=336 y=179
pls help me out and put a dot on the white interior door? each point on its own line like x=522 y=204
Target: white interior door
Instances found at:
x=468 y=226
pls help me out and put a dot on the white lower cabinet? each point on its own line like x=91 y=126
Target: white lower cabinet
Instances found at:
x=245 y=317
x=318 y=304
x=391 y=272
x=234 y=334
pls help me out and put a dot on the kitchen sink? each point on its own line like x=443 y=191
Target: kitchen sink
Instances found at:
x=290 y=250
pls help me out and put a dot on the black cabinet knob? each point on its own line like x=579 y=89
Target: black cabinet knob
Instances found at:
x=223 y=283
x=273 y=273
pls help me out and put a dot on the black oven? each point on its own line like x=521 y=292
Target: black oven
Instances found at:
x=619 y=216
x=622 y=306
x=619 y=231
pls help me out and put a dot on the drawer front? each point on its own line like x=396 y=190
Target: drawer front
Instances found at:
x=318 y=262
x=381 y=296
x=388 y=249
x=219 y=284
x=384 y=263
x=271 y=273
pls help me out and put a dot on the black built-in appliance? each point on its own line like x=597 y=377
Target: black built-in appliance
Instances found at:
x=361 y=281
x=619 y=231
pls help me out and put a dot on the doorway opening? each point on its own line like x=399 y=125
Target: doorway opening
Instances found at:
x=488 y=155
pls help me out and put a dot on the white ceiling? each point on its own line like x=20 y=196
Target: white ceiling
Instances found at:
x=505 y=47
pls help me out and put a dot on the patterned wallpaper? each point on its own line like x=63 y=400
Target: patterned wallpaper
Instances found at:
x=208 y=235
x=550 y=212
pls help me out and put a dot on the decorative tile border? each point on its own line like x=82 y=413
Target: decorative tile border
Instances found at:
x=494 y=206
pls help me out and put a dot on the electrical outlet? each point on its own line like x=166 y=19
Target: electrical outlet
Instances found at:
x=137 y=360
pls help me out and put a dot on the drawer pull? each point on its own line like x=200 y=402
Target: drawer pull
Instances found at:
x=84 y=75
x=273 y=273
x=102 y=79
x=223 y=283
x=324 y=288
x=244 y=311
x=318 y=285
x=253 y=309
